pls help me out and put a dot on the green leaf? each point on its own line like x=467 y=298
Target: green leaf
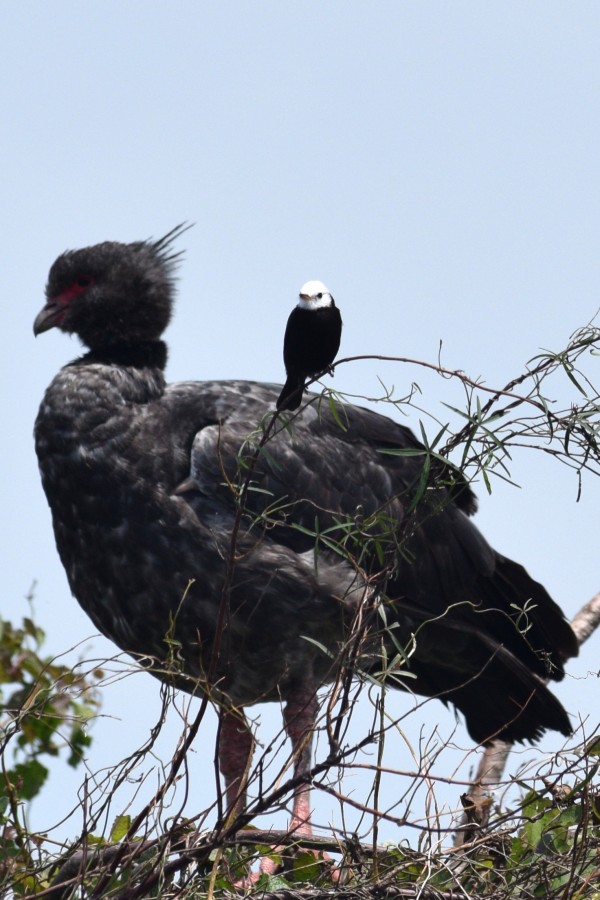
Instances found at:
x=28 y=778
x=335 y=413
x=569 y=370
x=271 y=882
x=593 y=748
x=120 y=827
x=307 y=867
x=78 y=743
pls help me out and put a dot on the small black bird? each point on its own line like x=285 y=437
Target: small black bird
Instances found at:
x=312 y=339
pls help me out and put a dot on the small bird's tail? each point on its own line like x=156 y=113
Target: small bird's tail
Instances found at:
x=291 y=395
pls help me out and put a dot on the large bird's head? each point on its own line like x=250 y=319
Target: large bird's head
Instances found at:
x=112 y=293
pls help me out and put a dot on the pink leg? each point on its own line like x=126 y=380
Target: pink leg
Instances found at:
x=299 y=716
x=236 y=745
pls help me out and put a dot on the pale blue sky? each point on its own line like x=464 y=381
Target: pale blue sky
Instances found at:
x=435 y=164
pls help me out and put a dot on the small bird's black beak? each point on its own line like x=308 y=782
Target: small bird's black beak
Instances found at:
x=47 y=318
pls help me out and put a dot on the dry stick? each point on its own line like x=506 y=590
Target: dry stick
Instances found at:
x=68 y=876
x=507 y=391
x=117 y=852
x=548 y=363
x=587 y=619
x=215 y=841
x=384 y=890
x=228 y=835
x=377 y=891
x=223 y=614
x=493 y=762
x=276 y=838
x=454 y=373
x=178 y=760
x=70 y=871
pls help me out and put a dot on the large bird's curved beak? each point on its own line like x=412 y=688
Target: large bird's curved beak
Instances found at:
x=47 y=318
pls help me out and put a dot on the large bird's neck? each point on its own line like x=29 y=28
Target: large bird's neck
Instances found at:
x=95 y=403
x=140 y=355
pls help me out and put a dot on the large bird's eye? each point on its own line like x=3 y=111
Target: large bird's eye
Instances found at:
x=84 y=281
x=319 y=296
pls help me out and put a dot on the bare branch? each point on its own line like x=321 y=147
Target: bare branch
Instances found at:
x=587 y=619
x=493 y=762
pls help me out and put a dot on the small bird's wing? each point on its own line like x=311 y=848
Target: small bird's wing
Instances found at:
x=290 y=397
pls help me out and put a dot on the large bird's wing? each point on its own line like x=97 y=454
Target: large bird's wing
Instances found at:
x=352 y=476
x=486 y=632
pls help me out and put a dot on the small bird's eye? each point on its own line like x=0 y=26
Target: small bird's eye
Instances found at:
x=84 y=281
x=319 y=296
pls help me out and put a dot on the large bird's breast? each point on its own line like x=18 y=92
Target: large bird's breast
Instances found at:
x=108 y=477
x=148 y=565
x=89 y=432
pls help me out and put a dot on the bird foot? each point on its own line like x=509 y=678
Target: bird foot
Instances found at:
x=294 y=861
x=330 y=370
x=296 y=864
x=299 y=864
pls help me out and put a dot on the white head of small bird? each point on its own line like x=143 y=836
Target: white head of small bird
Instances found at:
x=314 y=295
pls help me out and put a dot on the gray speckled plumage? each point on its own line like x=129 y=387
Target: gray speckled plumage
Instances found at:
x=145 y=558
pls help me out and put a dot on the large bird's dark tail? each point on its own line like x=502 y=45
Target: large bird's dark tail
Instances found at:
x=291 y=394
x=491 y=659
x=497 y=693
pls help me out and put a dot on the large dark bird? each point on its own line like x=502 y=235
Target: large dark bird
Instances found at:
x=311 y=341
x=143 y=480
